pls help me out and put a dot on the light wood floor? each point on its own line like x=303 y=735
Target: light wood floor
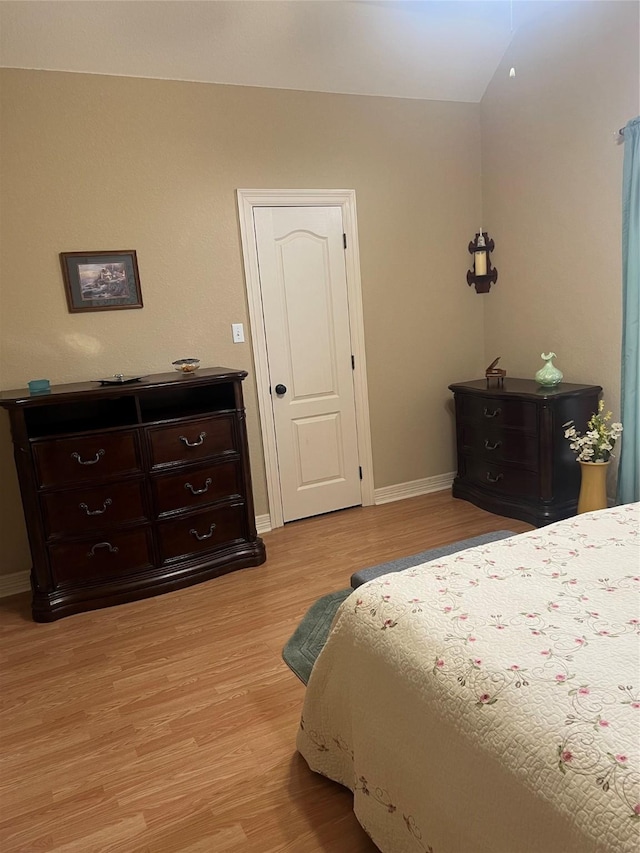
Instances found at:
x=168 y=725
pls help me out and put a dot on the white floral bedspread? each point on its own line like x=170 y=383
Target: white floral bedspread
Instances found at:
x=490 y=701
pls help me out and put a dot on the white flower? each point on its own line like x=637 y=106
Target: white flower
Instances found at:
x=598 y=441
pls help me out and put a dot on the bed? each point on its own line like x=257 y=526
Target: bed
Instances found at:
x=489 y=702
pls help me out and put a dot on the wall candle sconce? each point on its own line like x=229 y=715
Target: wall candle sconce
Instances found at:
x=483 y=274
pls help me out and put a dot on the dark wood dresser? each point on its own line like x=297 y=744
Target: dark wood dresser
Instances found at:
x=513 y=458
x=134 y=489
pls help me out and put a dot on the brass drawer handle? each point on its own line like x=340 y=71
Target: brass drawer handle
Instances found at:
x=113 y=549
x=195 y=443
x=107 y=503
x=193 y=491
x=495 y=479
x=493 y=414
x=489 y=446
x=208 y=535
x=80 y=461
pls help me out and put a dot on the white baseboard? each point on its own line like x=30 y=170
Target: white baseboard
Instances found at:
x=14 y=583
x=399 y=492
x=263 y=523
x=387 y=494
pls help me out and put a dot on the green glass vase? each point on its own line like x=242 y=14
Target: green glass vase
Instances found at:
x=549 y=375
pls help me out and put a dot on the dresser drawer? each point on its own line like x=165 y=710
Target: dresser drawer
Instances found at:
x=118 y=554
x=196 y=487
x=500 y=445
x=89 y=508
x=500 y=478
x=188 y=442
x=498 y=412
x=204 y=531
x=87 y=457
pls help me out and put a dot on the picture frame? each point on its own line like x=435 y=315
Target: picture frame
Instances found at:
x=101 y=281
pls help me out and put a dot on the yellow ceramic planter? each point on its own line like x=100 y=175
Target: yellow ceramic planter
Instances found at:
x=593 y=488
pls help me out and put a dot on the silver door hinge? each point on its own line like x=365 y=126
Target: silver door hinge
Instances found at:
x=344 y=240
x=353 y=362
x=360 y=471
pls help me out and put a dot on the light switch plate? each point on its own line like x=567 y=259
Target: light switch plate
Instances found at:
x=237 y=330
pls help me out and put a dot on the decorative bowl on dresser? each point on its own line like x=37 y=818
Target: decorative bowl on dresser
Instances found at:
x=135 y=489
x=513 y=458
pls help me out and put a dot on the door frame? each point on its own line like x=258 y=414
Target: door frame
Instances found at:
x=346 y=200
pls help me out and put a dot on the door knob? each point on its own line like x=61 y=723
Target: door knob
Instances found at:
x=281 y=389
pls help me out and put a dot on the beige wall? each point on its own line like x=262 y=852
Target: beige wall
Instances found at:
x=552 y=177
x=91 y=162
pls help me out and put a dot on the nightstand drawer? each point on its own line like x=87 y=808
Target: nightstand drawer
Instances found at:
x=500 y=445
x=189 y=442
x=500 y=478
x=500 y=412
x=118 y=554
x=93 y=507
x=196 y=487
x=203 y=531
x=74 y=460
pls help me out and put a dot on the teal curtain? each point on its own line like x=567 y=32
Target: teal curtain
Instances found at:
x=629 y=470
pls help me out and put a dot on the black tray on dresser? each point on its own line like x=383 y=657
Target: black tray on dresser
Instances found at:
x=134 y=489
x=513 y=458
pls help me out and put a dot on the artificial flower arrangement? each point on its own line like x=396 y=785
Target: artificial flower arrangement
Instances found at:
x=597 y=443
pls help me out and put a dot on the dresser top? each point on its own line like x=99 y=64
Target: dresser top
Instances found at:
x=58 y=393
x=523 y=388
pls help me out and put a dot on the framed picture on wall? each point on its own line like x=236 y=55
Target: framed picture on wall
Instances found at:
x=101 y=281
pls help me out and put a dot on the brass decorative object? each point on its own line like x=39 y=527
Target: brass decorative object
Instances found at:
x=495 y=374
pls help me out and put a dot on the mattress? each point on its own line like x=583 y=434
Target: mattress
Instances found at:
x=490 y=701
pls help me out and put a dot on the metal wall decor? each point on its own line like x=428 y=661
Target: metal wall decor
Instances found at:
x=483 y=275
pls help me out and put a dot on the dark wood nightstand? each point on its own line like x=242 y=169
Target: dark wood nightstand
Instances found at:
x=513 y=458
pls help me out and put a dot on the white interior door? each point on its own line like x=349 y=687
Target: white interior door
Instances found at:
x=306 y=318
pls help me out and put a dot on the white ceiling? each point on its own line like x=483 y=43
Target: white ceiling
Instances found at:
x=399 y=48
